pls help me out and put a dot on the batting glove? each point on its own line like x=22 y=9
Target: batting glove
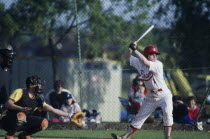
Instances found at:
x=132 y=47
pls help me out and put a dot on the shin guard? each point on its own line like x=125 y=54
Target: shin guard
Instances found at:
x=36 y=128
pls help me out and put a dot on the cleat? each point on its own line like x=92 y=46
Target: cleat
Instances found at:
x=115 y=136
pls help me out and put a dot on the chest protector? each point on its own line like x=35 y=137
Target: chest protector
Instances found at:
x=26 y=101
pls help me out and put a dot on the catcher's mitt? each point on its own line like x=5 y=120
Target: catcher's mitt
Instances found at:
x=77 y=119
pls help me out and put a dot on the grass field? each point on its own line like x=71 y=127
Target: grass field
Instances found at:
x=105 y=134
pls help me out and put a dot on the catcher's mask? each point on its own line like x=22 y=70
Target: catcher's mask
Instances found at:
x=35 y=80
x=150 y=50
x=7 y=58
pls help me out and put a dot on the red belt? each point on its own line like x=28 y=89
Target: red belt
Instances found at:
x=157 y=90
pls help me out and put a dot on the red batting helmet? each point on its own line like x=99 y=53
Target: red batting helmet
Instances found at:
x=150 y=50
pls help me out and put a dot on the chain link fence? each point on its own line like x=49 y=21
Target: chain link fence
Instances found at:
x=83 y=42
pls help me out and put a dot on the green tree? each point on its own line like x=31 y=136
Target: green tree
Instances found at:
x=109 y=32
x=43 y=19
x=189 y=32
x=7 y=26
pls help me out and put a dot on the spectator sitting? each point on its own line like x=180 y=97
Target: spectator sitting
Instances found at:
x=70 y=106
x=193 y=111
x=180 y=112
x=136 y=95
x=57 y=96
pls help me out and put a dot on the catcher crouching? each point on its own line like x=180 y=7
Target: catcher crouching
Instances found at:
x=20 y=107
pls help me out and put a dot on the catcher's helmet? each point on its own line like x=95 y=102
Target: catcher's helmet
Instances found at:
x=150 y=50
x=34 y=80
x=7 y=58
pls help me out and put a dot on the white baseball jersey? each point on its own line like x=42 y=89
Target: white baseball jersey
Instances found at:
x=158 y=94
x=152 y=76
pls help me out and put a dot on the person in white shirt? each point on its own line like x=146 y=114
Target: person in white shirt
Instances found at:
x=70 y=106
x=158 y=94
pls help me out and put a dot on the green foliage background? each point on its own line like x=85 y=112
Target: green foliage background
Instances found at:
x=38 y=28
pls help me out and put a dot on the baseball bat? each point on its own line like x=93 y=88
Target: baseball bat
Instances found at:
x=146 y=32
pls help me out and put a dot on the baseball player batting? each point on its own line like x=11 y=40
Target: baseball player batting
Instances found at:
x=158 y=94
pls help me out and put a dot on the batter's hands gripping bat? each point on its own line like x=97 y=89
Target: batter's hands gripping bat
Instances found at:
x=146 y=32
x=132 y=45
